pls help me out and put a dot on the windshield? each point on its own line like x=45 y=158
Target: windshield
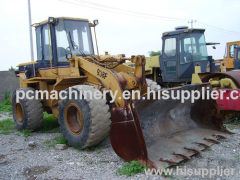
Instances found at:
x=193 y=48
x=74 y=37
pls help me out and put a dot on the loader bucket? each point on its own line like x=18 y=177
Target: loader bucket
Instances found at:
x=162 y=133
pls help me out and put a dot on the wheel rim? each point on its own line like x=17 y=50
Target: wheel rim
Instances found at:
x=74 y=118
x=19 y=113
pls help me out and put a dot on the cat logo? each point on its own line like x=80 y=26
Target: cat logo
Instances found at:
x=101 y=74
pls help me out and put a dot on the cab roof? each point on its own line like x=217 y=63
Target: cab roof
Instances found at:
x=181 y=30
x=70 y=18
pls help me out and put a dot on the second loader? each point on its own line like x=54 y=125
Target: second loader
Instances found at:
x=228 y=61
x=156 y=133
x=184 y=60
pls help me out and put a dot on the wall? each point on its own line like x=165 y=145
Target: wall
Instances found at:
x=8 y=83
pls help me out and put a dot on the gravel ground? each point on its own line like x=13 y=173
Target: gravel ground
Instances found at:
x=19 y=161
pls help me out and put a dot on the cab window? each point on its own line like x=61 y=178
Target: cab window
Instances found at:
x=39 y=43
x=43 y=38
x=193 y=48
x=170 y=47
x=46 y=43
x=232 y=50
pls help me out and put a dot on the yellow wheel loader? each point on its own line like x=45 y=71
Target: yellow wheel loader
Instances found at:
x=156 y=133
x=228 y=61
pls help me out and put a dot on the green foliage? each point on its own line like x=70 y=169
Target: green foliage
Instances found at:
x=94 y=148
x=7 y=97
x=50 y=124
x=26 y=132
x=57 y=140
x=154 y=53
x=12 y=69
x=60 y=140
x=5 y=106
x=91 y=149
x=129 y=169
x=235 y=124
x=7 y=126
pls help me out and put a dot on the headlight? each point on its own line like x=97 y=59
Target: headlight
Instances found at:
x=95 y=22
x=69 y=56
x=51 y=20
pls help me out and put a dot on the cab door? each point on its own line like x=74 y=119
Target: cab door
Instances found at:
x=187 y=47
x=46 y=57
x=169 y=59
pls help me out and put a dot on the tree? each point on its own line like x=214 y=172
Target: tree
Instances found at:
x=154 y=53
x=12 y=69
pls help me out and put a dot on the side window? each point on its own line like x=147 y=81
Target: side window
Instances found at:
x=170 y=47
x=226 y=52
x=232 y=50
x=39 y=43
x=85 y=40
x=46 y=45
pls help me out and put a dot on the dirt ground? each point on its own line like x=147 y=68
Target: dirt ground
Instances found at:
x=19 y=160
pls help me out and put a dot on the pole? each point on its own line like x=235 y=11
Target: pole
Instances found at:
x=30 y=30
x=191 y=22
x=96 y=40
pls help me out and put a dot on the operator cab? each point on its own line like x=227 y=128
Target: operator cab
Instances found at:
x=58 y=37
x=182 y=50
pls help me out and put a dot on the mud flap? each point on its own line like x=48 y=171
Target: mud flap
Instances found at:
x=162 y=133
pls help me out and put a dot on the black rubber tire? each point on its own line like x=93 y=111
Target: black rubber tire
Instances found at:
x=32 y=110
x=153 y=85
x=96 y=117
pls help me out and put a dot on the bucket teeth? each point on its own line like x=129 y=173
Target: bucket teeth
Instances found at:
x=173 y=132
x=182 y=155
x=212 y=140
x=194 y=150
x=169 y=161
x=203 y=144
x=219 y=136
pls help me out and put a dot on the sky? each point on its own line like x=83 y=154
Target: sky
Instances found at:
x=125 y=27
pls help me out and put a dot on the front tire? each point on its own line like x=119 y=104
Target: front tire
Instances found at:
x=84 y=122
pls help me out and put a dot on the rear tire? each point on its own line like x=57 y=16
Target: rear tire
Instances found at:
x=84 y=122
x=27 y=113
